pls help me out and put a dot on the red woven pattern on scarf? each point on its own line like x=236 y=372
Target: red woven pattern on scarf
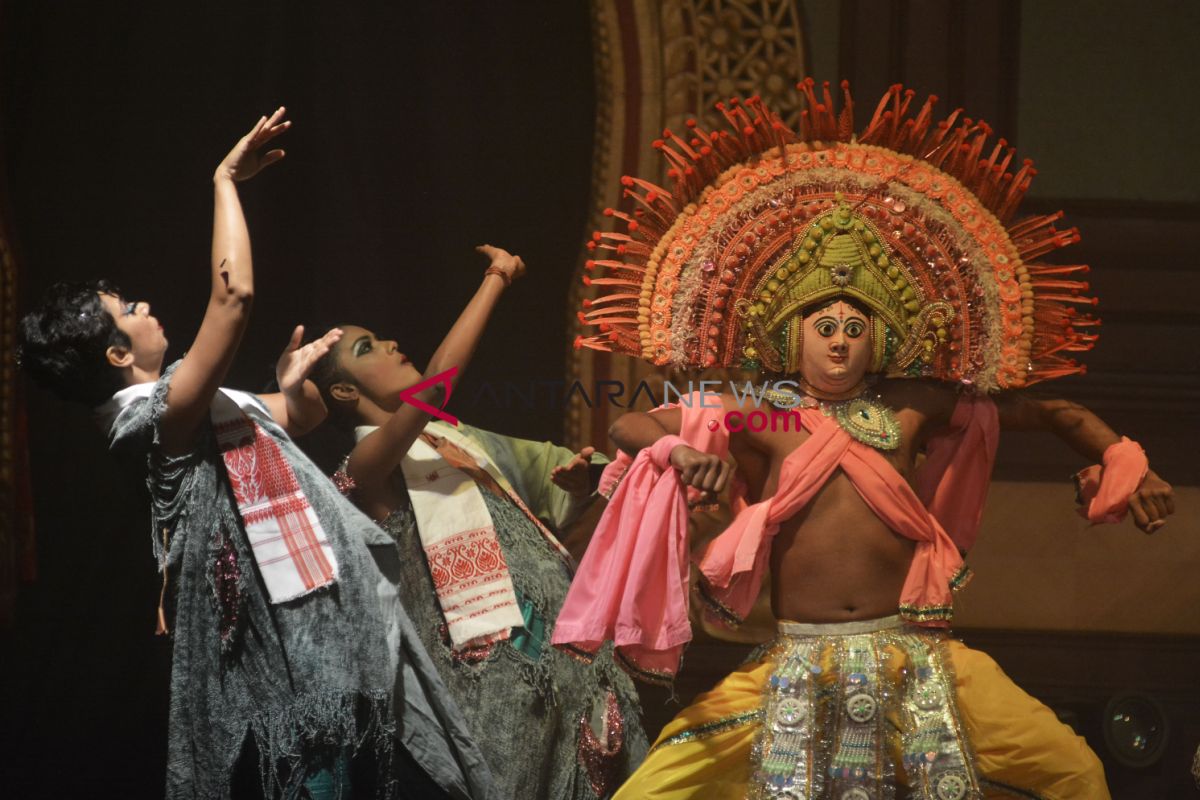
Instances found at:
x=258 y=471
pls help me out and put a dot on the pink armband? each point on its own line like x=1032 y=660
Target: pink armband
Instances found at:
x=616 y=469
x=660 y=451
x=1103 y=491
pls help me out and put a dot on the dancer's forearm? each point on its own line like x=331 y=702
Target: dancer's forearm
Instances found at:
x=376 y=457
x=231 y=294
x=637 y=430
x=459 y=345
x=1079 y=428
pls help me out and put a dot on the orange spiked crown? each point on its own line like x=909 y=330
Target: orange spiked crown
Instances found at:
x=911 y=218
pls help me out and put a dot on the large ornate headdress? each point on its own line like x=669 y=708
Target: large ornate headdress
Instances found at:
x=910 y=219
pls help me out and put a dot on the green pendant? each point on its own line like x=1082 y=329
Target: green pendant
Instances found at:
x=870 y=422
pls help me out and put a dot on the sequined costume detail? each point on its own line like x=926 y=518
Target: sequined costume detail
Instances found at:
x=600 y=754
x=227 y=578
x=834 y=705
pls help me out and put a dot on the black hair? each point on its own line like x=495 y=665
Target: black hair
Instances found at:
x=62 y=343
x=325 y=373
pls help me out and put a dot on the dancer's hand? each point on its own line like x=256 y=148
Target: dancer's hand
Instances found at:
x=244 y=160
x=574 y=477
x=1152 y=503
x=704 y=471
x=512 y=266
x=296 y=362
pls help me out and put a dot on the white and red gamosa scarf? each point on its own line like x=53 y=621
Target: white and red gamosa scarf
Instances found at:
x=290 y=549
x=443 y=471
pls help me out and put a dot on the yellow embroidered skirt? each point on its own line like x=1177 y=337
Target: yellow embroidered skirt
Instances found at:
x=850 y=711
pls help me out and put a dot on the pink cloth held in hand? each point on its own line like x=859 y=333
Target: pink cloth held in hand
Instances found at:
x=631 y=586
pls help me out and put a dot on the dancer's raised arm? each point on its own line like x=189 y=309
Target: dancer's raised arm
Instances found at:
x=208 y=359
x=375 y=457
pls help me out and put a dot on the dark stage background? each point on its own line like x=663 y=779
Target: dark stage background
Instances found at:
x=420 y=131
x=423 y=129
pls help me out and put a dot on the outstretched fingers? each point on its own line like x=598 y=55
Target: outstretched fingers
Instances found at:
x=572 y=477
x=266 y=129
x=246 y=160
x=276 y=116
x=297 y=362
x=319 y=347
x=271 y=127
x=256 y=130
x=325 y=343
x=270 y=157
x=294 y=342
x=331 y=337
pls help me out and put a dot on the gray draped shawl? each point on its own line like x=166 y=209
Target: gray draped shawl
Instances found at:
x=338 y=671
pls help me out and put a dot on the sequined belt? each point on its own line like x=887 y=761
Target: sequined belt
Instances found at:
x=844 y=699
x=789 y=628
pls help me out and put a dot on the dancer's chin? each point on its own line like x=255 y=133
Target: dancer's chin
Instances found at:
x=836 y=379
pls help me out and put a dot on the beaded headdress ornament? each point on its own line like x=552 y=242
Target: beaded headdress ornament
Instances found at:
x=911 y=219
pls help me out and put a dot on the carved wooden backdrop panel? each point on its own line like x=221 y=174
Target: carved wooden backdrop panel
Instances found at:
x=657 y=65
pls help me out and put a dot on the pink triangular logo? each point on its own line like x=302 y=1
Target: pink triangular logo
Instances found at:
x=443 y=378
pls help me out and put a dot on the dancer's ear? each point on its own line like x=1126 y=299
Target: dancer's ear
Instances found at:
x=343 y=392
x=119 y=357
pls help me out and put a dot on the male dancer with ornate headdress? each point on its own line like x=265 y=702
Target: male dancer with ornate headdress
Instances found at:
x=878 y=285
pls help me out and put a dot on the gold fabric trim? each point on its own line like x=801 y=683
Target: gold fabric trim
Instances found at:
x=711 y=728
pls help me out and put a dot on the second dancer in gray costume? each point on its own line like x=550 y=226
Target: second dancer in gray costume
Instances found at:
x=483 y=575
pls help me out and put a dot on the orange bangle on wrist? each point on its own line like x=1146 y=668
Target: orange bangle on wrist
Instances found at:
x=494 y=270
